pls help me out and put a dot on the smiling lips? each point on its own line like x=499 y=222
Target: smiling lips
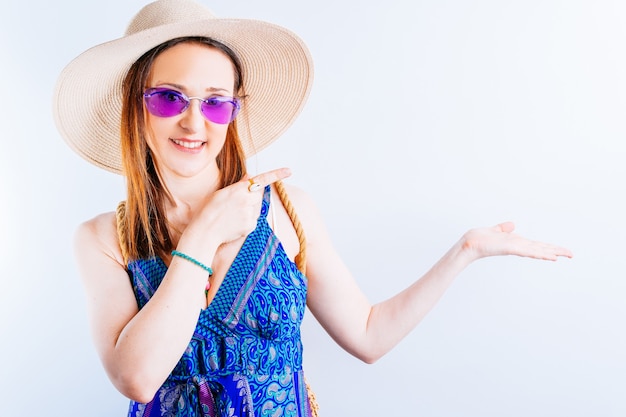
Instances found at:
x=188 y=144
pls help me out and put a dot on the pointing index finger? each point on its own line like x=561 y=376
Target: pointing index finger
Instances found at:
x=270 y=177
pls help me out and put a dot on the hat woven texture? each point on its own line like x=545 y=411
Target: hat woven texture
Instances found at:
x=277 y=67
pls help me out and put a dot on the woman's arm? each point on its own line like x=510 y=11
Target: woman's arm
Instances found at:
x=139 y=348
x=370 y=331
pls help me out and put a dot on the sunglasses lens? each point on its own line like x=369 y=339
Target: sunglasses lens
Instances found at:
x=221 y=110
x=165 y=103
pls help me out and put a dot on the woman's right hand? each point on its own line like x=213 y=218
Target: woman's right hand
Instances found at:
x=232 y=212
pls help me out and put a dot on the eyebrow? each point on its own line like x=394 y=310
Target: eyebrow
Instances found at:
x=208 y=90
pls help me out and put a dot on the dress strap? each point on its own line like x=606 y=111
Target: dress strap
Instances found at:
x=265 y=207
x=293 y=216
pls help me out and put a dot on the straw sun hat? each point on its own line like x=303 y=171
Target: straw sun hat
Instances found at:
x=277 y=66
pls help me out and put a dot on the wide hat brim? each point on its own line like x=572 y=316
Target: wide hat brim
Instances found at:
x=277 y=69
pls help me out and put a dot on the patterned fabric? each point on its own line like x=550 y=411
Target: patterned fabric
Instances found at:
x=245 y=357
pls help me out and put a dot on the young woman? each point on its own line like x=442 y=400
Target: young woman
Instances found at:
x=195 y=297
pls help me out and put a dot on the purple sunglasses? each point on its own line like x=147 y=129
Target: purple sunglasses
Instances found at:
x=164 y=102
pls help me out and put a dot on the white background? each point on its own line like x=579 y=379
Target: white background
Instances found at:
x=426 y=118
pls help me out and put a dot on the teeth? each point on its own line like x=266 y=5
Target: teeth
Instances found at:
x=186 y=144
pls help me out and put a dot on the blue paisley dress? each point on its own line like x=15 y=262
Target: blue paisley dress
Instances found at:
x=245 y=356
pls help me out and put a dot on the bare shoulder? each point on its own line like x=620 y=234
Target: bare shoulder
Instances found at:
x=99 y=234
x=308 y=213
x=303 y=204
x=299 y=197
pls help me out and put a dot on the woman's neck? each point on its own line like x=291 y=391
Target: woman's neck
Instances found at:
x=187 y=195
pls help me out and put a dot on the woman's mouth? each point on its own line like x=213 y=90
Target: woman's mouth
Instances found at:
x=190 y=145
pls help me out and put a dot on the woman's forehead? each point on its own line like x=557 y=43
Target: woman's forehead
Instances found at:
x=193 y=66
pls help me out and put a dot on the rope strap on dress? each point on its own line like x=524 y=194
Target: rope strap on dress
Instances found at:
x=291 y=212
x=120 y=217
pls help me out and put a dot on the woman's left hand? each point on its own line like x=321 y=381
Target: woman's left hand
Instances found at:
x=500 y=240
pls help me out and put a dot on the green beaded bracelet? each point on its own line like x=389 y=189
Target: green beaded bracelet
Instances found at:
x=193 y=261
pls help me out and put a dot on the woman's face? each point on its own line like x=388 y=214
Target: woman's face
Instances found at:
x=186 y=144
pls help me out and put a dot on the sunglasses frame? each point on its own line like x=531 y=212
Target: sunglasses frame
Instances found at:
x=149 y=92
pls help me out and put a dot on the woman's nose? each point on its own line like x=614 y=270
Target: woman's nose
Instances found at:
x=192 y=118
